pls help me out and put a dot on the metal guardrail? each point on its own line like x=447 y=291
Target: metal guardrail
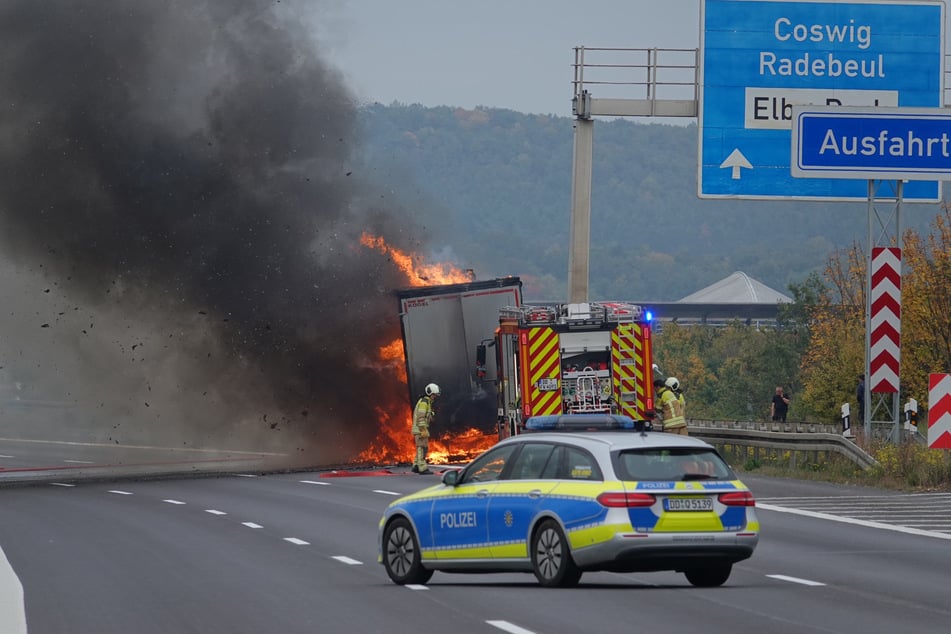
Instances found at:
x=801 y=440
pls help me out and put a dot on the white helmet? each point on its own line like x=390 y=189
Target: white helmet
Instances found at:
x=672 y=383
x=432 y=390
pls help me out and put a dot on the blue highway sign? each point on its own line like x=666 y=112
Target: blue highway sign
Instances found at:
x=863 y=143
x=760 y=58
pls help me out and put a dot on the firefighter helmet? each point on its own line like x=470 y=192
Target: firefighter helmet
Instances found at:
x=432 y=390
x=672 y=383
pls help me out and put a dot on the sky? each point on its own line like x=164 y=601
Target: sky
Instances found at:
x=514 y=54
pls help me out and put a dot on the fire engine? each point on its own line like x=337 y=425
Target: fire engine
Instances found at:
x=592 y=357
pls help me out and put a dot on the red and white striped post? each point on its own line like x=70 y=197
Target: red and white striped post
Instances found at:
x=885 y=333
x=939 y=411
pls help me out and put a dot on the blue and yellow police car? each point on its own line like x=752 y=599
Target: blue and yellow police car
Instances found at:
x=579 y=493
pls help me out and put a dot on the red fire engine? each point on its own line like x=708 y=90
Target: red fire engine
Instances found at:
x=592 y=357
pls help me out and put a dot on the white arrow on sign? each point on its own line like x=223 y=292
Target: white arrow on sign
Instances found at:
x=736 y=160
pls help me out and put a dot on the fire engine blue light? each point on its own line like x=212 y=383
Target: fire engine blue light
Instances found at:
x=649 y=316
x=580 y=422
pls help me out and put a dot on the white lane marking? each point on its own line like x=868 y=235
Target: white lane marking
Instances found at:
x=294 y=540
x=805 y=582
x=117 y=492
x=324 y=484
x=505 y=626
x=12 y=608
x=5 y=456
x=173 y=501
x=850 y=520
x=252 y=525
x=385 y=492
x=214 y=512
x=415 y=586
x=61 y=484
x=347 y=560
x=113 y=446
x=79 y=461
x=245 y=475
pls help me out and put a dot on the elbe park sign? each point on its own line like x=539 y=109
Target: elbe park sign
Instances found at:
x=761 y=58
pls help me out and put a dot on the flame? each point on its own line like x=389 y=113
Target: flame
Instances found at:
x=394 y=442
x=419 y=272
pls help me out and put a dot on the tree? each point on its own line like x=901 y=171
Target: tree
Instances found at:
x=926 y=305
x=835 y=355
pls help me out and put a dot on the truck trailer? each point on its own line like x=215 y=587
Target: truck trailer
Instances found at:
x=442 y=329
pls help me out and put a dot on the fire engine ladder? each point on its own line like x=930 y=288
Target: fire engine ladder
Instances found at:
x=587 y=394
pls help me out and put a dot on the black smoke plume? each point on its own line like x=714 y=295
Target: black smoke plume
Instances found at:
x=181 y=171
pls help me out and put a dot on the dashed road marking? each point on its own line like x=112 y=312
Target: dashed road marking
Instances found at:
x=173 y=501
x=118 y=492
x=79 y=461
x=251 y=525
x=416 y=586
x=298 y=542
x=348 y=560
x=505 y=626
x=805 y=582
x=215 y=512
x=61 y=484
x=323 y=484
x=245 y=475
x=385 y=492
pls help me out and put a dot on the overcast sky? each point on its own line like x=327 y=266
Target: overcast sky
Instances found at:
x=515 y=54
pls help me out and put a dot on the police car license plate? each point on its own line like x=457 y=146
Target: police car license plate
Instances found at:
x=688 y=504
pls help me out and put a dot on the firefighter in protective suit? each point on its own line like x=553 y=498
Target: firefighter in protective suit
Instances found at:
x=422 y=417
x=673 y=405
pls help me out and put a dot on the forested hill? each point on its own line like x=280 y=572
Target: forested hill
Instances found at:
x=494 y=188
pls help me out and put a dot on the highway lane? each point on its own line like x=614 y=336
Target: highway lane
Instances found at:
x=297 y=553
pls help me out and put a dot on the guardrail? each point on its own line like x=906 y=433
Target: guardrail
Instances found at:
x=812 y=442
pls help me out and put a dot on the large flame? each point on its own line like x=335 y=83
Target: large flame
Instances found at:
x=394 y=443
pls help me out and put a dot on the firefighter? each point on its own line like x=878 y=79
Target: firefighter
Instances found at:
x=673 y=405
x=422 y=417
x=659 y=389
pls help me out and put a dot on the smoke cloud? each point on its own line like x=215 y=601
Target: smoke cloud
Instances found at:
x=179 y=206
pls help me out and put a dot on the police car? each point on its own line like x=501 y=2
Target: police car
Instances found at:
x=579 y=493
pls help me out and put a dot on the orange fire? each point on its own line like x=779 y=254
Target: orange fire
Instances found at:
x=394 y=443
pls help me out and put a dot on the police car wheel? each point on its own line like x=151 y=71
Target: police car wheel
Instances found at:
x=401 y=556
x=710 y=575
x=551 y=557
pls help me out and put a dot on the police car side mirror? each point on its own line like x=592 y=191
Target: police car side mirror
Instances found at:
x=451 y=477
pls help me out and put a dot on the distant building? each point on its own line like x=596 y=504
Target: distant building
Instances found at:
x=735 y=297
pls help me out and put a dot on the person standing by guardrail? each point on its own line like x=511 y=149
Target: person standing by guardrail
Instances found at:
x=780 y=405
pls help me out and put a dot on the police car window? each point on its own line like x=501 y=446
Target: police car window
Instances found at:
x=554 y=467
x=672 y=463
x=571 y=463
x=489 y=465
x=530 y=461
x=580 y=465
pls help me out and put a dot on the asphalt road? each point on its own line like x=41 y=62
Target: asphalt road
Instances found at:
x=297 y=552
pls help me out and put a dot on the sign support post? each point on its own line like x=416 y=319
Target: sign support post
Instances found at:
x=884 y=230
